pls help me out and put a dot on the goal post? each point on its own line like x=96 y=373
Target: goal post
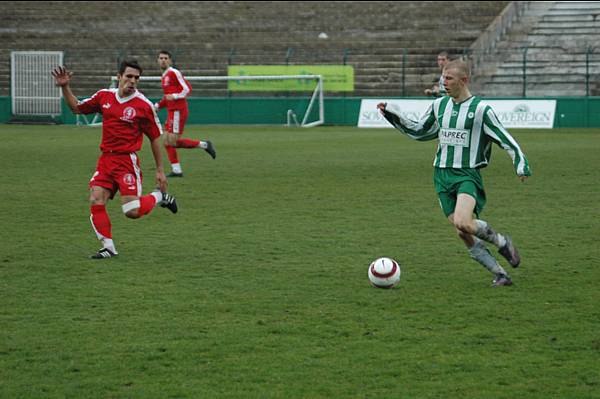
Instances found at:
x=310 y=115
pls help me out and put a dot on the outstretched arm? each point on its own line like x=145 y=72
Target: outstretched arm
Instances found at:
x=433 y=91
x=423 y=130
x=185 y=88
x=161 y=104
x=62 y=77
x=494 y=129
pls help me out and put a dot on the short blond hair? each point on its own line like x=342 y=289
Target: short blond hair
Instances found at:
x=460 y=66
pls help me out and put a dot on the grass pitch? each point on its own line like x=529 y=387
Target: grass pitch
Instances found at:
x=258 y=287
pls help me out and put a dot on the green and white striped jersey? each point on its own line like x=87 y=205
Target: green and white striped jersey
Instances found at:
x=466 y=132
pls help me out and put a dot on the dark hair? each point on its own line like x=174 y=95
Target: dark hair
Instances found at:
x=131 y=63
x=165 y=52
x=443 y=54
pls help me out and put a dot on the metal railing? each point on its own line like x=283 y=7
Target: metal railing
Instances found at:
x=548 y=71
x=524 y=72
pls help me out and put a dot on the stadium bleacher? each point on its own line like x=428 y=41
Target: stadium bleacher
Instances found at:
x=560 y=39
x=206 y=36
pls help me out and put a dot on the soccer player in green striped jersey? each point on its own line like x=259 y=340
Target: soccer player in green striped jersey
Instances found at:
x=438 y=89
x=466 y=128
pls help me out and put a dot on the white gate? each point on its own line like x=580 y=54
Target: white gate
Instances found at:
x=32 y=86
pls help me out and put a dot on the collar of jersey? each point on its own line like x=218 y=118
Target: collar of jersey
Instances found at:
x=462 y=102
x=167 y=70
x=124 y=100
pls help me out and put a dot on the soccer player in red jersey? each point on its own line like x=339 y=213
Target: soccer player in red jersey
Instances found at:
x=126 y=116
x=176 y=89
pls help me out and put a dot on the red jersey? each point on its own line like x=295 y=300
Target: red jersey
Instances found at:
x=174 y=83
x=124 y=120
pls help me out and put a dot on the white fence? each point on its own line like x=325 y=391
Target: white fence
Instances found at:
x=32 y=86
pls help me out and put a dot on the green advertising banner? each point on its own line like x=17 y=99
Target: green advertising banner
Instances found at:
x=336 y=78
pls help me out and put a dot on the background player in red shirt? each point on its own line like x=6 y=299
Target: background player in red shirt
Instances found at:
x=126 y=116
x=176 y=90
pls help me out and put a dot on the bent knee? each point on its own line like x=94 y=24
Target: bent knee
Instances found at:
x=458 y=222
x=97 y=201
x=460 y=225
x=99 y=195
x=171 y=139
x=131 y=209
x=463 y=235
x=463 y=225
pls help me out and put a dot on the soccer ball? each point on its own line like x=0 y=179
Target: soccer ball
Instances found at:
x=384 y=273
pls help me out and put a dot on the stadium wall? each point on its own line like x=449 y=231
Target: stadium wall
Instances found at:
x=5 y=109
x=570 y=111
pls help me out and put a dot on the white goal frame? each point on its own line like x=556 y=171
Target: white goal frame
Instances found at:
x=292 y=119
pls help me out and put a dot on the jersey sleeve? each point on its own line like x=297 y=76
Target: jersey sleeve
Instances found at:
x=91 y=105
x=151 y=123
x=493 y=128
x=425 y=129
x=185 y=86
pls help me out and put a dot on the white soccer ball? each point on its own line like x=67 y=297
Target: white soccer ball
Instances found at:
x=384 y=273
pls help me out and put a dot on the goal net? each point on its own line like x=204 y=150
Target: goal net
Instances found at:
x=292 y=100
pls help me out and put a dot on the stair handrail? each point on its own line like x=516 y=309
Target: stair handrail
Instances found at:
x=487 y=41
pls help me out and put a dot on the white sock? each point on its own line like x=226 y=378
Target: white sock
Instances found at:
x=109 y=244
x=203 y=144
x=157 y=195
x=482 y=255
x=176 y=168
x=106 y=242
x=485 y=232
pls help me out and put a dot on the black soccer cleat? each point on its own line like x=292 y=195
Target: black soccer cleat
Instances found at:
x=210 y=148
x=510 y=253
x=104 y=253
x=173 y=174
x=169 y=202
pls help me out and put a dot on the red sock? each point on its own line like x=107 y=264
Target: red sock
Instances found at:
x=147 y=203
x=187 y=143
x=101 y=221
x=172 y=154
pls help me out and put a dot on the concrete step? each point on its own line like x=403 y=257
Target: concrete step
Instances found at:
x=534 y=90
x=569 y=18
x=545 y=79
x=562 y=25
x=575 y=43
x=570 y=31
x=572 y=12
x=571 y=71
x=576 y=5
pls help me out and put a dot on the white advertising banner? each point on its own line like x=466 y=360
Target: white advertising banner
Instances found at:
x=534 y=114
x=512 y=113
x=371 y=117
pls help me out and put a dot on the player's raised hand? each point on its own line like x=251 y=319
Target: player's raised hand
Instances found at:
x=62 y=76
x=381 y=106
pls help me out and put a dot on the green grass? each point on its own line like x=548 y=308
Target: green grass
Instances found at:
x=258 y=287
